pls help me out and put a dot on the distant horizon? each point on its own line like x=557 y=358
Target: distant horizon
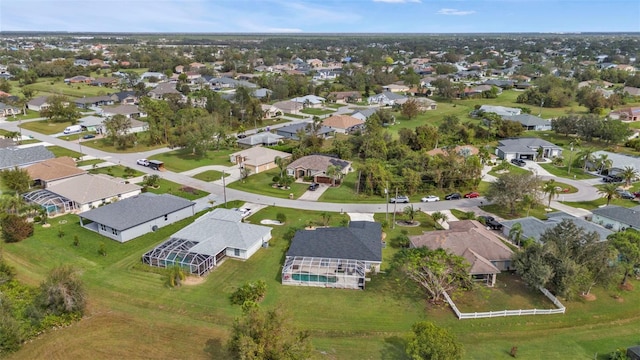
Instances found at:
x=326 y=17
x=59 y=32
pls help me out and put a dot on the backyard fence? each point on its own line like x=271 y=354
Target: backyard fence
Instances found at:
x=488 y=314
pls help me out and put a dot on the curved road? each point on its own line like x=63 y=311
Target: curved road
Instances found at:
x=585 y=191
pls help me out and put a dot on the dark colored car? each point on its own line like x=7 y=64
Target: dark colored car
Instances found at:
x=518 y=162
x=612 y=179
x=453 y=196
x=490 y=222
x=241 y=136
x=627 y=195
x=314 y=186
x=88 y=136
x=471 y=195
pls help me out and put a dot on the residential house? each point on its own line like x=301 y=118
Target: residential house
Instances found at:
x=270 y=111
x=152 y=74
x=264 y=138
x=618 y=161
x=257 y=159
x=79 y=79
x=9 y=110
x=125 y=98
x=485 y=252
x=315 y=166
x=626 y=114
x=38 y=104
x=424 y=104
x=309 y=101
x=500 y=110
x=291 y=131
x=503 y=84
x=530 y=122
x=82 y=193
x=533 y=227
x=364 y=114
x=334 y=257
x=344 y=124
x=345 y=97
x=632 y=91
x=162 y=90
x=105 y=81
x=11 y=157
x=205 y=243
x=386 y=98
x=262 y=93
x=93 y=124
x=81 y=62
x=93 y=101
x=135 y=216
x=129 y=111
x=617 y=218
x=396 y=88
x=526 y=148
x=289 y=107
x=50 y=171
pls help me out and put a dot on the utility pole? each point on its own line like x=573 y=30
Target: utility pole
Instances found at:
x=570 y=159
x=224 y=188
x=395 y=203
x=386 y=192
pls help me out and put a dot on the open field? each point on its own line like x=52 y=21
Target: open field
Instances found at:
x=118 y=171
x=210 y=175
x=140 y=145
x=261 y=184
x=60 y=151
x=182 y=159
x=44 y=127
x=170 y=187
x=131 y=313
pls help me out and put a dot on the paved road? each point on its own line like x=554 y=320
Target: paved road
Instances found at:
x=218 y=193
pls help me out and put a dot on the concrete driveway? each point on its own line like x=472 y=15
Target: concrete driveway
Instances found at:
x=314 y=195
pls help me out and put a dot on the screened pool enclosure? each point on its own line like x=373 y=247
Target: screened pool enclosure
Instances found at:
x=324 y=272
x=176 y=251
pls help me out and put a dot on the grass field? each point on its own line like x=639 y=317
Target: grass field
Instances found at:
x=45 y=87
x=44 y=127
x=169 y=187
x=183 y=159
x=563 y=171
x=505 y=213
x=594 y=204
x=89 y=162
x=131 y=314
x=210 y=175
x=60 y=151
x=116 y=171
x=261 y=184
x=140 y=146
x=313 y=111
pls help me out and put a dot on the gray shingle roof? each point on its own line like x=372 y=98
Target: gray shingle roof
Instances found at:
x=10 y=157
x=306 y=126
x=263 y=138
x=534 y=227
x=528 y=120
x=620 y=214
x=133 y=211
x=362 y=240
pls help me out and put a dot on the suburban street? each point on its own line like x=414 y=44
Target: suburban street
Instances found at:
x=585 y=192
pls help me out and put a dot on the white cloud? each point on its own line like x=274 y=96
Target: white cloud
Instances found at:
x=455 y=12
x=397 y=1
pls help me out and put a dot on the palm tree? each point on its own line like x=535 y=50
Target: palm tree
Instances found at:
x=281 y=163
x=609 y=191
x=628 y=174
x=515 y=233
x=334 y=173
x=439 y=217
x=411 y=212
x=551 y=190
x=604 y=163
x=175 y=276
x=528 y=201
x=586 y=156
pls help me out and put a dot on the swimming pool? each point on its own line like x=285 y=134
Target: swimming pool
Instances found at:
x=314 y=278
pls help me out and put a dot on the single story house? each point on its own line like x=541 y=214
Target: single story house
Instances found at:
x=270 y=111
x=50 y=171
x=626 y=114
x=264 y=138
x=125 y=97
x=619 y=161
x=530 y=122
x=291 y=131
x=92 y=123
x=9 y=110
x=129 y=111
x=257 y=159
x=424 y=104
x=485 y=252
x=105 y=81
x=163 y=89
x=526 y=148
x=334 y=257
x=364 y=114
x=309 y=101
x=396 y=88
x=316 y=166
x=38 y=104
x=135 y=216
x=84 y=192
x=345 y=97
x=386 y=98
x=500 y=110
x=11 y=157
x=617 y=218
x=344 y=124
x=289 y=107
x=534 y=228
x=88 y=102
x=205 y=243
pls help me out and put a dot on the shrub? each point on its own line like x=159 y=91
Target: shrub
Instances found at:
x=60 y=233
x=15 y=228
x=37 y=219
x=76 y=241
x=102 y=250
x=281 y=217
x=250 y=291
x=62 y=292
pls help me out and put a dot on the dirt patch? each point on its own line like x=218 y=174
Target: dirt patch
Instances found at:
x=589 y=297
x=628 y=286
x=384 y=235
x=193 y=280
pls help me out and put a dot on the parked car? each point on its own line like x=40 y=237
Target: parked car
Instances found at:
x=518 y=162
x=453 y=196
x=612 y=179
x=471 y=195
x=143 y=162
x=430 y=198
x=243 y=211
x=490 y=222
x=626 y=195
x=241 y=136
x=399 y=199
x=88 y=136
x=314 y=186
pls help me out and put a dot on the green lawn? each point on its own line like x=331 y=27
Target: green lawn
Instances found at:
x=44 y=86
x=169 y=187
x=594 y=204
x=295 y=116
x=210 y=175
x=44 y=127
x=562 y=171
x=503 y=212
x=60 y=152
x=513 y=169
x=345 y=193
x=89 y=162
x=313 y=111
x=116 y=171
x=261 y=184
x=105 y=145
x=183 y=159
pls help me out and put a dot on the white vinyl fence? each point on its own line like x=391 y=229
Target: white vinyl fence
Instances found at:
x=488 y=314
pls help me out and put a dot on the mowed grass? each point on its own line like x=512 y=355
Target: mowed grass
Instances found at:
x=60 y=151
x=261 y=183
x=563 y=171
x=47 y=128
x=169 y=187
x=210 y=175
x=44 y=87
x=140 y=145
x=116 y=171
x=183 y=159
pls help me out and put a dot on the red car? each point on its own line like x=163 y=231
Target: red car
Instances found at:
x=471 y=195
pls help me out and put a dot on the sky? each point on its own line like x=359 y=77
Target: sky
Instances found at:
x=321 y=16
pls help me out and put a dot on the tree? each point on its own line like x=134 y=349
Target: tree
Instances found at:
x=429 y=342
x=60 y=110
x=267 y=335
x=436 y=271
x=609 y=191
x=528 y=201
x=119 y=133
x=551 y=190
x=411 y=213
x=175 y=275
x=628 y=174
x=151 y=180
x=250 y=291
x=515 y=233
x=410 y=109
x=586 y=157
x=439 y=217
x=628 y=245
x=62 y=292
x=16 y=179
x=565 y=124
x=334 y=173
x=531 y=265
x=15 y=228
x=510 y=188
x=604 y=163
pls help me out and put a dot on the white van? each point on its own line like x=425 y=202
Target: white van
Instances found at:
x=72 y=129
